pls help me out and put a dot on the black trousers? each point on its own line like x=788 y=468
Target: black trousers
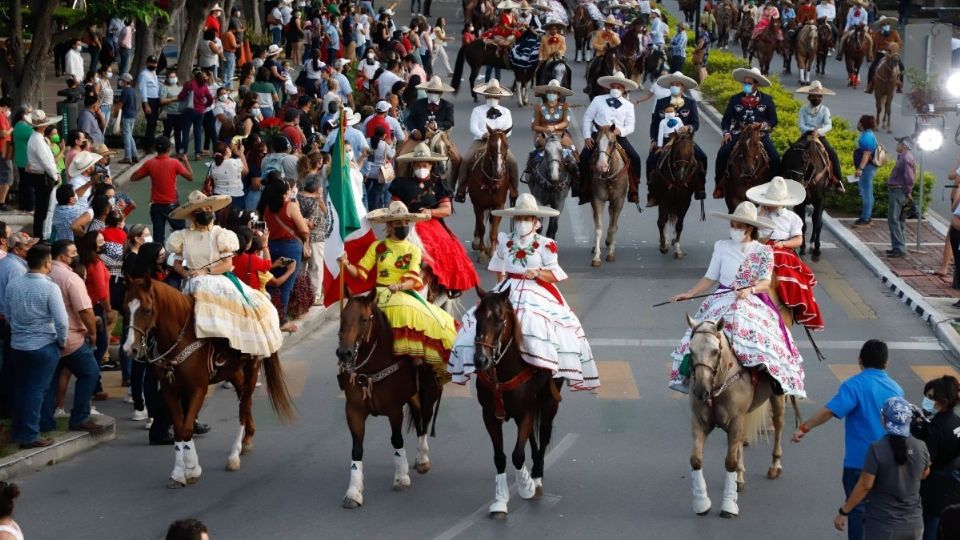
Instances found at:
x=149 y=137
x=35 y=190
x=954 y=238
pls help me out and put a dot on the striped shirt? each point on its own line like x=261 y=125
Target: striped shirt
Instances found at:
x=36 y=313
x=11 y=267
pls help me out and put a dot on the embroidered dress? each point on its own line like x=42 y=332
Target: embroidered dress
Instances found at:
x=753 y=326
x=224 y=306
x=795 y=280
x=420 y=329
x=552 y=335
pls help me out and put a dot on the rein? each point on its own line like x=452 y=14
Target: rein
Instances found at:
x=365 y=381
x=489 y=377
x=148 y=341
x=716 y=370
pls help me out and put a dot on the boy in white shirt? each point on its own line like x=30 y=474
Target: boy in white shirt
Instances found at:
x=668 y=125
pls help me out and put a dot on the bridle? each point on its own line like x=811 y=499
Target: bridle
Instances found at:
x=542 y=170
x=614 y=146
x=715 y=391
x=483 y=156
x=365 y=381
x=497 y=349
x=366 y=333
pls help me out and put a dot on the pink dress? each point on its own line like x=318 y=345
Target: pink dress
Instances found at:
x=770 y=13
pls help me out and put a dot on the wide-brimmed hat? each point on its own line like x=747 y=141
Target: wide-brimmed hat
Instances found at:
x=906 y=140
x=397 y=211
x=897 y=416
x=740 y=74
x=274 y=50
x=666 y=81
x=778 y=192
x=552 y=87
x=508 y=4
x=216 y=7
x=611 y=20
x=526 y=205
x=886 y=19
x=197 y=200
x=617 y=78
x=40 y=119
x=816 y=88
x=435 y=84
x=656 y=12
x=746 y=212
x=492 y=88
x=861 y=3
x=554 y=23
x=81 y=162
x=103 y=150
x=525 y=6
x=353 y=117
x=420 y=152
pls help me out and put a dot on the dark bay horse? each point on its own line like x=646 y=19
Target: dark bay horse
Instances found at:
x=601 y=66
x=826 y=41
x=749 y=165
x=855 y=49
x=651 y=61
x=477 y=54
x=558 y=69
x=726 y=18
x=807 y=45
x=689 y=9
x=162 y=331
x=375 y=382
x=610 y=179
x=744 y=34
x=789 y=45
x=675 y=174
x=509 y=388
x=807 y=162
x=583 y=26
x=481 y=13
x=764 y=46
x=488 y=183
x=550 y=181
x=885 y=80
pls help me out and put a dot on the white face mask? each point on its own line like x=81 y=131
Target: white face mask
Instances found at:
x=616 y=93
x=737 y=235
x=147 y=239
x=172 y=80
x=433 y=98
x=222 y=97
x=422 y=173
x=523 y=228
x=293 y=194
x=349 y=155
x=670 y=115
x=551 y=97
x=493 y=102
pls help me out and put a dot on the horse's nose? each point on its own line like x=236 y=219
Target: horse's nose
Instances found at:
x=344 y=354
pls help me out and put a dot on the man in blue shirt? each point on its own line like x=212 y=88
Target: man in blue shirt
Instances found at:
x=333 y=38
x=128 y=118
x=12 y=266
x=859 y=401
x=148 y=87
x=38 y=329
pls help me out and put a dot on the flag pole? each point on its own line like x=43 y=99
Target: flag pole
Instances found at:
x=343 y=282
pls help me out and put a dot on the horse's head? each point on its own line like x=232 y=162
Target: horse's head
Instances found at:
x=497 y=329
x=707 y=344
x=356 y=326
x=142 y=314
x=606 y=146
x=553 y=154
x=496 y=149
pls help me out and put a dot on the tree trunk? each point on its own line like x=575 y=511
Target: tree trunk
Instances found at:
x=25 y=74
x=196 y=14
x=251 y=11
x=150 y=37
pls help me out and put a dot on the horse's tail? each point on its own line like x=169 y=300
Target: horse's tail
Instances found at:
x=458 y=70
x=277 y=389
x=755 y=425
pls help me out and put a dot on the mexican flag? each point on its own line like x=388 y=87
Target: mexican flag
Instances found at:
x=351 y=230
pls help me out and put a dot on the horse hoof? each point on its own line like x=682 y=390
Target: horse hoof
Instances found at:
x=815 y=257
x=175 y=484
x=774 y=473
x=233 y=465
x=595 y=263
x=741 y=486
x=705 y=512
x=401 y=484
x=192 y=481
x=538 y=493
x=423 y=468
x=351 y=504
x=246 y=448
x=611 y=257
x=500 y=516
x=678 y=255
x=664 y=249
x=728 y=515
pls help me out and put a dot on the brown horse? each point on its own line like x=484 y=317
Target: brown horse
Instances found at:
x=610 y=179
x=376 y=382
x=885 y=80
x=744 y=35
x=601 y=66
x=764 y=46
x=808 y=43
x=749 y=165
x=583 y=26
x=855 y=49
x=726 y=17
x=508 y=387
x=689 y=9
x=789 y=45
x=724 y=394
x=825 y=43
x=477 y=54
x=675 y=175
x=481 y=13
x=807 y=162
x=162 y=332
x=488 y=184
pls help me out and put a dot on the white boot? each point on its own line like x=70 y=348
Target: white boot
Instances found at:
x=701 y=502
x=191 y=462
x=525 y=486
x=501 y=495
x=178 y=476
x=729 y=508
x=354 y=496
x=401 y=475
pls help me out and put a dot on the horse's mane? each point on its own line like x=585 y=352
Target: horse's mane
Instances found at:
x=170 y=301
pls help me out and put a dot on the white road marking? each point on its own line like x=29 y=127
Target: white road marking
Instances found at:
x=919 y=345
x=553 y=455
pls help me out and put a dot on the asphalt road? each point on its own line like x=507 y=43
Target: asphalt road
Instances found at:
x=618 y=467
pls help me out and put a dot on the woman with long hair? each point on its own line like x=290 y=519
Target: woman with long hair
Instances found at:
x=288 y=232
x=381 y=153
x=942 y=437
x=440 y=40
x=227 y=171
x=9 y=527
x=255 y=151
x=313 y=206
x=115 y=238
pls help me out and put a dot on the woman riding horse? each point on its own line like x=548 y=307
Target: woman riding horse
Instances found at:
x=686 y=111
x=526 y=266
x=743 y=268
x=552 y=117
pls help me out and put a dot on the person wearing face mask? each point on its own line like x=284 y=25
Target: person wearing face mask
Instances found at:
x=551 y=119
x=426 y=117
x=941 y=434
x=886 y=42
x=289 y=234
x=795 y=280
x=607 y=38
x=75 y=61
x=741 y=267
x=224 y=306
x=744 y=108
x=171 y=111
x=814 y=121
x=857 y=19
x=527 y=269
x=369 y=67
x=484 y=118
x=686 y=112
x=148 y=90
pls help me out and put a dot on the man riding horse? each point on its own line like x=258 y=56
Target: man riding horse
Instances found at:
x=490 y=115
x=814 y=121
x=608 y=38
x=427 y=116
x=745 y=108
x=552 y=117
x=856 y=22
x=685 y=109
x=885 y=41
x=553 y=46
x=611 y=109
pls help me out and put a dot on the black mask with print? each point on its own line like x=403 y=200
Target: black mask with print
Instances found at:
x=203 y=218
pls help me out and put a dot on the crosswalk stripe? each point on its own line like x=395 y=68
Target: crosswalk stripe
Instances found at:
x=842 y=292
x=616 y=381
x=844 y=371
x=928 y=373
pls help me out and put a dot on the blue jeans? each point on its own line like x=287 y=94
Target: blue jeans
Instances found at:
x=492 y=69
x=192 y=118
x=35 y=376
x=124 y=60
x=276 y=34
x=229 y=67
x=252 y=198
x=84 y=367
x=415 y=6
x=376 y=195
x=267 y=112
x=159 y=216
x=292 y=249
x=896 y=197
x=855 y=519
x=129 y=146
x=866 y=191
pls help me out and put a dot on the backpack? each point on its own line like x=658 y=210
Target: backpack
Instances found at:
x=879 y=155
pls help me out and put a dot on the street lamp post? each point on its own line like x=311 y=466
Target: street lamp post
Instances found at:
x=929 y=138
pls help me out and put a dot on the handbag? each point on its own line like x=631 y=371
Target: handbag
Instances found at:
x=386 y=174
x=879 y=156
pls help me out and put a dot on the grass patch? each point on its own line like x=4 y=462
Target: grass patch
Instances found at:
x=8 y=448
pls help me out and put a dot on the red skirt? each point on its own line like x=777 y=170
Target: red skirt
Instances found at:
x=795 y=283
x=446 y=256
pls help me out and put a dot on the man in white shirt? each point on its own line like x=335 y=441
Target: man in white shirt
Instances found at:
x=857 y=19
x=388 y=78
x=828 y=11
x=658 y=29
x=611 y=109
x=148 y=90
x=75 y=62
x=489 y=116
x=41 y=173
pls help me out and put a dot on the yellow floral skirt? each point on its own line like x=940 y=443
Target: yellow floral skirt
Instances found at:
x=420 y=329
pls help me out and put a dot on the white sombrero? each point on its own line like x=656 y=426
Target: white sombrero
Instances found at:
x=778 y=192
x=492 y=88
x=861 y=3
x=420 y=152
x=397 y=211
x=665 y=81
x=656 y=12
x=197 y=200
x=886 y=19
x=740 y=74
x=81 y=162
x=274 y=50
x=746 y=212
x=507 y=4
x=552 y=87
x=435 y=85
x=353 y=118
x=617 y=78
x=40 y=119
x=816 y=88
x=526 y=205
x=612 y=21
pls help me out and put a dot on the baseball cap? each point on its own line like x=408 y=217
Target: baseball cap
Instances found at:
x=382 y=106
x=906 y=140
x=152 y=59
x=126 y=77
x=21 y=238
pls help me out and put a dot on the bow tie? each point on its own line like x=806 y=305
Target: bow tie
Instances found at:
x=433 y=107
x=493 y=114
x=750 y=102
x=553 y=40
x=613 y=102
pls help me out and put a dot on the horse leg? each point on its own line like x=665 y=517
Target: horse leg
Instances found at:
x=548 y=411
x=171 y=399
x=498 y=509
x=701 y=501
x=494 y=229
x=401 y=475
x=430 y=394
x=801 y=210
x=615 y=207
x=597 y=206
x=241 y=383
x=477 y=243
x=778 y=406
x=250 y=378
x=356 y=421
x=728 y=507
x=661 y=223
x=677 y=231
x=191 y=462
x=525 y=486
x=817 y=219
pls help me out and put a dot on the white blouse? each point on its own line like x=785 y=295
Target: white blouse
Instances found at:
x=788 y=223
x=727 y=258
x=201 y=247
x=516 y=256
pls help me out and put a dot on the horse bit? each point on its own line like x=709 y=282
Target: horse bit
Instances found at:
x=363 y=380
x=149 y=343
x=716 y=392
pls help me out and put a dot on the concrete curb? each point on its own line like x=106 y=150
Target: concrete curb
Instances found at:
x=66 y=446
x=314 y=319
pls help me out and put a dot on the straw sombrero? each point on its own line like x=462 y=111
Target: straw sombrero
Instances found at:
x=526 y=205
x=397 y=211
x=617 y=78
x=81 y=162
x=435 y=84
x=492 y=88
x=551 y=87
x=197 y=200
x=421 y=152
x=40 y=119
x=778 y=192
x=886 y=19
x=274 y=50
x=740 y=74
x=508 y=4
x=554 y=23
x=816 y=88
x=746 y=212
x=611 y=20
x=861 y=3
x=666 y=81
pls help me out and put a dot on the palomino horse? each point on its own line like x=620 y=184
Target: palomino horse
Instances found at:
x=807 y=162
x=601 y=66
x=550 y=181
x=610 y=179
x=477 y=54
x=764 y=46
x=488 y=184
x=676 y=173
x=789 y=45
x=744 y=34
x=748 y=166
x=726 y=17
x=583 y=26
x=885 y=80
x=724 y=394
x=375 y=382
x=689 y=9
x=825 y=43
x=855 y=49
x=508 y=387
x=162 y=332
x=808 y=43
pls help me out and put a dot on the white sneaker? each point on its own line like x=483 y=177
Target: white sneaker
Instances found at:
x=95 y=412
x=60 y=413
x=128 y=398
x=226 y=385
x=148 y=424
x=140 y=416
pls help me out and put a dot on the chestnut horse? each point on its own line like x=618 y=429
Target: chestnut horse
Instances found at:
x=748 y=166
x=583 y=26
x=825 y=43
x=609 y=182
x=376 y=382
x=765 y=45
x=855 y=49
x=808 y=43
x=488 y=183
x=885 y=80
x=162 y=332
x=508 y=387
x=675 y=173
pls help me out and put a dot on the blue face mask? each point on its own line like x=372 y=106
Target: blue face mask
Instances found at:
x=674 y=90
x=928 y=405
x=747 y=88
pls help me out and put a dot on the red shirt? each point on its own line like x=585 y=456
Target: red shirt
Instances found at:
x=378 y=121
x=5 y=140
x=212 y=22
x=295 y=135
x=98 y=282
x=163 y=171
x=276 y=221
x=246 y=266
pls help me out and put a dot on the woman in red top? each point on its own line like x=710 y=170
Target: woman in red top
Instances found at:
x=213 y=20
x=288 y=232
x=89 y=248
x=254 y=258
